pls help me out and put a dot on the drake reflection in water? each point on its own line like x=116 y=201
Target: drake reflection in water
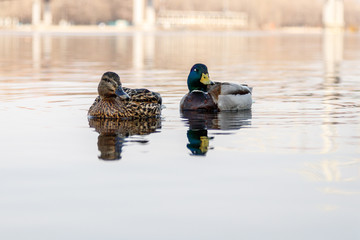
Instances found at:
x=201 y=122
x=114 y=132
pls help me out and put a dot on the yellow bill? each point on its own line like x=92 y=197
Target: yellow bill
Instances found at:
x=204 y=145
x=205 y=79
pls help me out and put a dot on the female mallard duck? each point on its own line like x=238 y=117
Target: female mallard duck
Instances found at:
x=205 y=95
x=123 y=103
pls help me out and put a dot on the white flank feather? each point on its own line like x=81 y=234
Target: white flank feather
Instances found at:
x=234 y=102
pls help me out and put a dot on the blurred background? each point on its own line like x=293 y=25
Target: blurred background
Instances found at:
x=175 y=14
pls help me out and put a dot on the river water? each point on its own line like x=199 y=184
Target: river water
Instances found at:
x=287 y=169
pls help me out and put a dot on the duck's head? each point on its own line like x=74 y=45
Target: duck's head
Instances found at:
x=198 y=78
x=110 y=86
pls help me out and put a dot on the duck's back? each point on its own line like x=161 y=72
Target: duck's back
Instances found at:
x=231 y=96
x=143 y=95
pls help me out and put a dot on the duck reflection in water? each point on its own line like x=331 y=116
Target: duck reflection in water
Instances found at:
x=113 y=134
x=201 y=122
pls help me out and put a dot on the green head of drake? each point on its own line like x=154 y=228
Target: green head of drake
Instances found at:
x=110 y=86
x=198 y=78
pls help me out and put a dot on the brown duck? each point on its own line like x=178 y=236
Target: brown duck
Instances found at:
x=123 y=103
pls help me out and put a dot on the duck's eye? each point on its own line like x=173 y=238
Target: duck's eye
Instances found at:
x=106 y=80
x=195 y=70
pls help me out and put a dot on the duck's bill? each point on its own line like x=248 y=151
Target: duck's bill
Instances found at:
x=205 y=79
x=120 y=92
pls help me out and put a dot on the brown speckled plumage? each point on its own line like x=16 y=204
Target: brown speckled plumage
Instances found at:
x=125 y=128
x=143 y=95
x=118 y=103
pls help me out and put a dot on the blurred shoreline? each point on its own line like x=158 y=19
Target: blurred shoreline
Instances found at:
x=84 y=29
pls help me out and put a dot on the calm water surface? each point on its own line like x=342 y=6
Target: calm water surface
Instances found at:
x=287 y=169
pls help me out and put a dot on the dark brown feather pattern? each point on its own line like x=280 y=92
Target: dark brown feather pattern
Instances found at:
x=115 y=102
x=123 y=109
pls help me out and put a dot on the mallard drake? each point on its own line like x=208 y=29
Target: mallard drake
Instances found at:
x=205 y=95
x=123 y=103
